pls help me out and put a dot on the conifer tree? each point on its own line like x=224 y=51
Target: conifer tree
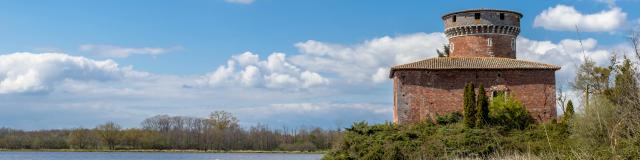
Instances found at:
x=469 y=103
x=568 y=112
x=482 y=107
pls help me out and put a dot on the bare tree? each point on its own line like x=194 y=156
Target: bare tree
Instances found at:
x=110 y=134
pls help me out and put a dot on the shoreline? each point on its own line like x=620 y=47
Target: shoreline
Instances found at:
x=162 y=151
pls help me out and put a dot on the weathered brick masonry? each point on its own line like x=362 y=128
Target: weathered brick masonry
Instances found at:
x=422 y=94
x=482 y=52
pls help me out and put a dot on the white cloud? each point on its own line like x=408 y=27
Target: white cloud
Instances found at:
x=240 y=1
x=367 y=62
x=121 y=52
x=275 y=72
x=312 y=79
x=29 y=73
x=565 y=18
x=363 y=62
x=94 y=91
x=246 y=58
x=567 y=53
x=250 y=76
x=381 y=75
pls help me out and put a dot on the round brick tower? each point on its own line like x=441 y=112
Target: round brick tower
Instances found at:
x=482 y=33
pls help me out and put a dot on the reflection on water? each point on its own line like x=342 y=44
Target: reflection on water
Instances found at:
x=151 y=156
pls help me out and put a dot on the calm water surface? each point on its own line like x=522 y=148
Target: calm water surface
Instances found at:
x=151 y=156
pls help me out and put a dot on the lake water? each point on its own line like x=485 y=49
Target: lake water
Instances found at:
x=152 y=156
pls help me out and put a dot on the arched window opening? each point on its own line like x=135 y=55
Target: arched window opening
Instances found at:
x=498 y=93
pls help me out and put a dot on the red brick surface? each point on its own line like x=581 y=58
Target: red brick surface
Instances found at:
x=424 y=94
x=477 y=46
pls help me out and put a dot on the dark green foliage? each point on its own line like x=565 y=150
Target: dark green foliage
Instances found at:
x=469 y=106
x=626 y=86
x=382 y=141
x=608 y=126
x=428 y=141
x=568 y=112
x=482 y=107
x=507 y=112
x=445 y=51
x=449 y=118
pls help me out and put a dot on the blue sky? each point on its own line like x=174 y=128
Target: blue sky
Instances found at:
x=75 y=63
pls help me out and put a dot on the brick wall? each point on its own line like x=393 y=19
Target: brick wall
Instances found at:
x=477 y=46
x=422 y=94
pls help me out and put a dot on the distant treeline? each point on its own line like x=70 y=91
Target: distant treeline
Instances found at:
x=220 y=131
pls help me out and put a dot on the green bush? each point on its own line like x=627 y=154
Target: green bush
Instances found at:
x=469 y=106
x=449 y=118
x=508 y=112
x=482 y=108
x=453 y=140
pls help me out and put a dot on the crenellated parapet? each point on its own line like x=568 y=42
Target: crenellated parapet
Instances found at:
x=482 y=29
x=482 y=32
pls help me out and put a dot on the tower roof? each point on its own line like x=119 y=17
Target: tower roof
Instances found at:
x=482 y=10
x=472 y=63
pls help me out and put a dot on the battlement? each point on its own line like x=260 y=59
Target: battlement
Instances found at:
x=482 y=32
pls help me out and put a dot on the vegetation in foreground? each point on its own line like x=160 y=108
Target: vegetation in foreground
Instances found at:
x=217 y=133
x=452 y=137
x=606 y=125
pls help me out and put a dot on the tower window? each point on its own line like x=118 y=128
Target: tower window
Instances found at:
x=489 y=42
x=454 y=18
x=477 y=16
x=501 y=16
x=451 y=46
x=513 y=44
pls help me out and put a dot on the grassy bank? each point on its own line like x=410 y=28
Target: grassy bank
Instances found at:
x=426 y=140
x=161 y=151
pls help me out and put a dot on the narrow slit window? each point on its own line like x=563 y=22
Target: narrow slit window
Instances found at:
x=451 y=46
x=477 y=16
x=489 y=42
x=501 y=16
x=454 y=18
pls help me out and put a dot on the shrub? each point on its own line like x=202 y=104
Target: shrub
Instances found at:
x=509 y=113
x=568 y=112
x=469 y=106
x=482 y=107
x=449 y=118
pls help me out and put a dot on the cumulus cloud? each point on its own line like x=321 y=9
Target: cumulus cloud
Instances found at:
x=317 y=62
x=247 y=70
x=565 y=18
x=240 y=1
x=100 y=90
x=367 y=61
x=567 y=53
x=29 y=73
x=121 y=52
